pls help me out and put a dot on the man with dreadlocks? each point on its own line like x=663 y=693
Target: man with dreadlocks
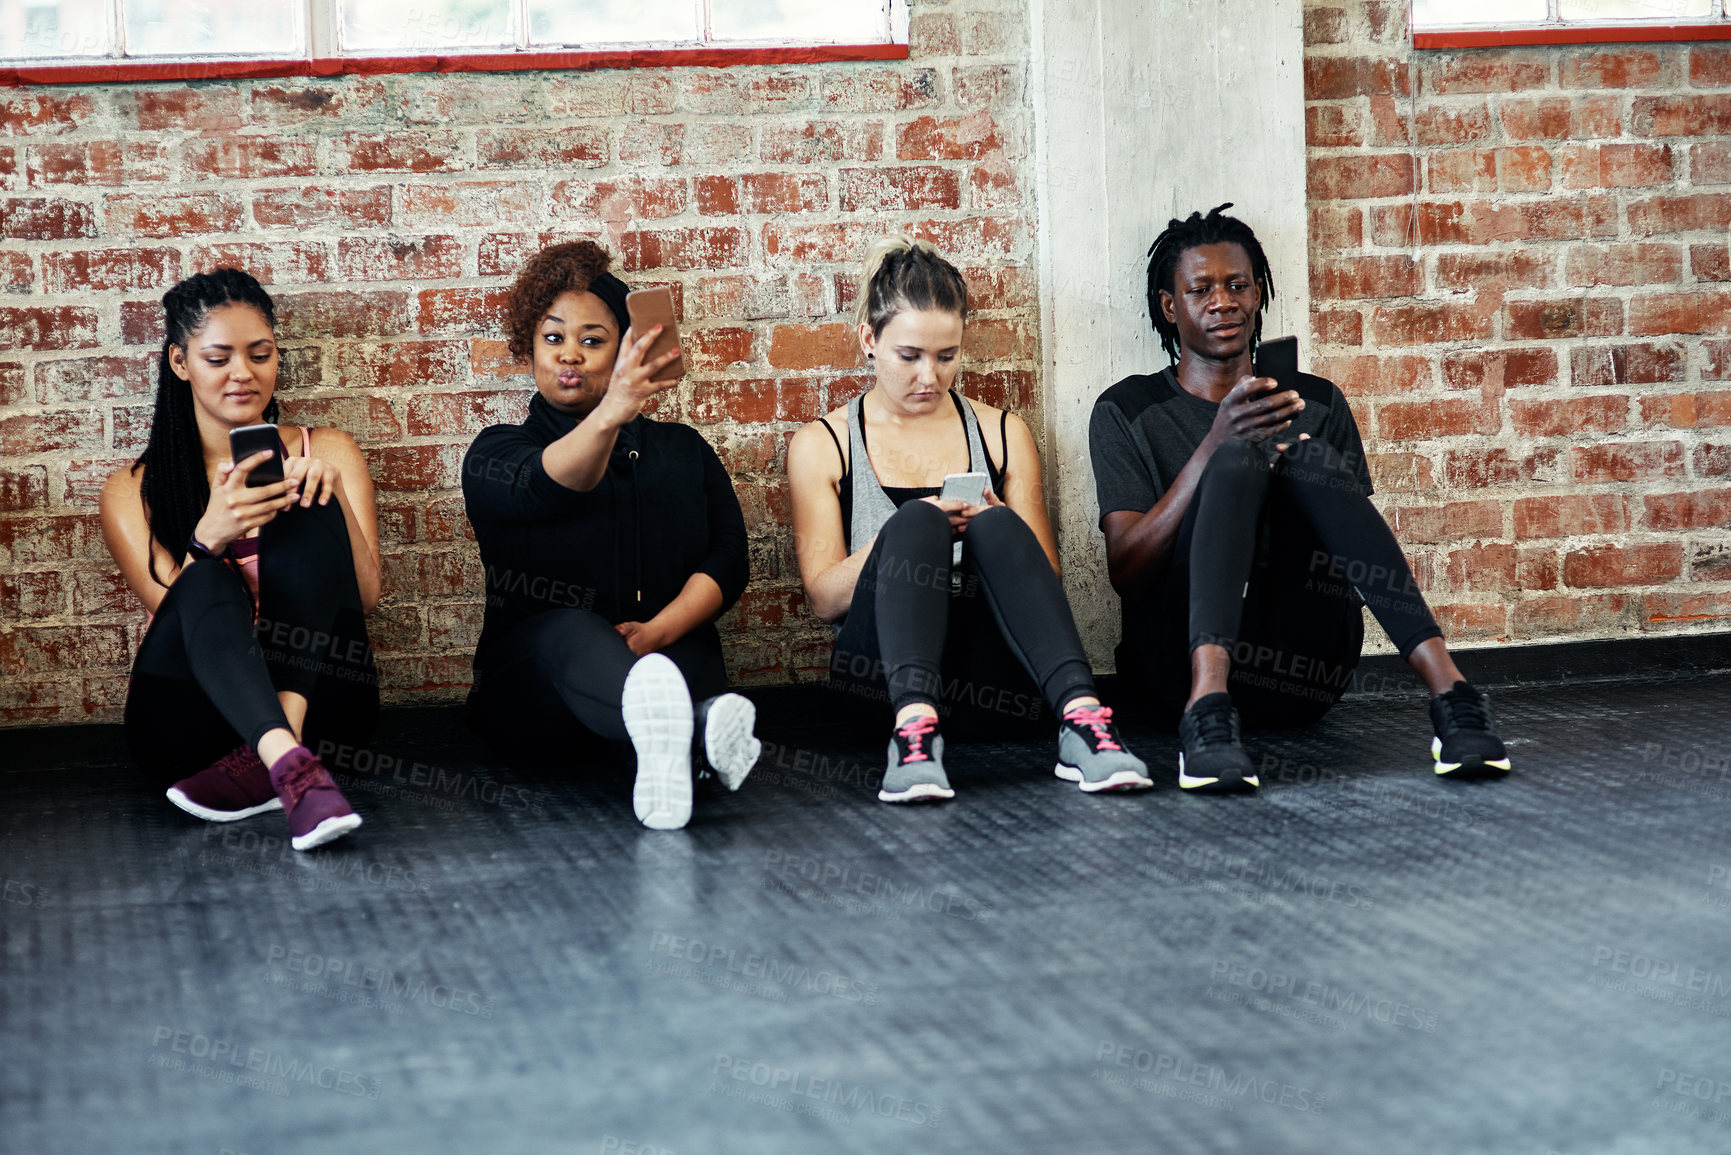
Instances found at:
x=1240 y=533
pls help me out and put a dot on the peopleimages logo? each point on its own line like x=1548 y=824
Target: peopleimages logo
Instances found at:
x=833 y=1093
x=751 y=965
x=381 y=981
x=217 y=1056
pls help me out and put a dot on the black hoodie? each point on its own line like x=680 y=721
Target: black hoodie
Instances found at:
x=663 y=510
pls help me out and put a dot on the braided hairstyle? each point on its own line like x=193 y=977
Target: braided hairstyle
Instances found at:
x=1182 y=236
x=174 y=487
x=903 y=274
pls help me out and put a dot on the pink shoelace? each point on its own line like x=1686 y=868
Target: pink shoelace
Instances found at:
x=914 y=732
x=1096 y=718
x=305 y=773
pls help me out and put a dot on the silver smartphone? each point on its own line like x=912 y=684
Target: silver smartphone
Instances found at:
x=967 y=488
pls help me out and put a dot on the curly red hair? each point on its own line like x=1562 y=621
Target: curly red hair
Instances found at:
x=574 y=267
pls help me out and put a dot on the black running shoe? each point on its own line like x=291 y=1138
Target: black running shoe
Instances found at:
x=1212 y=758
x=1466 y=743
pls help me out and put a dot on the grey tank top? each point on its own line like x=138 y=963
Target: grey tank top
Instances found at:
x=871 y=505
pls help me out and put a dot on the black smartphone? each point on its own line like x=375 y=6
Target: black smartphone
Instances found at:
x=248 y=440
x=1279 y=359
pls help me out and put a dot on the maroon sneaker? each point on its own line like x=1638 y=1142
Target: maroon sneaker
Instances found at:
x=317 y=810
x=237 y=786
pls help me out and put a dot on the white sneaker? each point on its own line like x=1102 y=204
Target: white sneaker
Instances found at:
x=728 y=742
x=657 y=710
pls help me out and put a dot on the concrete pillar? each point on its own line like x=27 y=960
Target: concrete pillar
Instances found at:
x=1145 y=110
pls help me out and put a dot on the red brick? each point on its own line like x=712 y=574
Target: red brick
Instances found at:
x=50 y=432
x=1537 y=569
x=977 y=239
x=647 y=142
x=1324 y=25
x=1488 y=70
x=12 y=385
x=1661 y=314
x=416 y=469
x=1514 y=269
x=399 y=258
x=96 y=162
x=1718 y=366
x=1353 y=278
x=1571 y=515
x=1710 y=262
x=1616 y=165
x=29 y=649
x=1684 y=410
x=541 y=148
x=1500 y=369
x=1337 y=326
x=1333 y=126
x=1471 y=620
x=878 y=90
x=450 y=414
x=1390 y=124
x=1561 y=117
x=33 y=112
x=47 y=540
x=469 y=205
x=50 y=327
x=697 y=248
x=1575 y=317
x=1481 y=468
x=342 y=313
x=1680 y=213
x=402 y=151
x=1400 y=472
x=1627 y=461
x=84 y=478
x=460 y=312
x=834 y=243
x=715 y=144
x=1604 y=66
x=1698 y=114
x=834 y=346
x=758 y=297
x=1342 y=77
x=1461 y=170
x=165 y=215
x=1335 y=226
x=880 y=190
x=762 y=192
x=1713 y=461
x=1709 y=65
x=1571 y=614
x=42 y=219
x=291 y=103
x=1363 y=175
x=1423 y=420
x=398 y=364
x=323 y=208
x=983 y=86
x=821 y=142
x=96 y=378
x=32 y=595
x=100 y=270
x=1634 y=364
x=625 y=199
x=273 y=262
x=1456 y=521
x=1003 y=388
x=1482 y=567
x=718 y=348
x=23 y=489
x=206 y=109
x=999 y=339
x=1607 y=413
x=970 y=137
x=1668 y=606
x=1452 y=123
x=1710 y=163
x=141 y=323
x=1615 y=565
x=1701 y=509
x=755 y=401
x=1623 y=264
x=247 y=158
x=1368 y=374
x=1427 y=323
x=17 y=272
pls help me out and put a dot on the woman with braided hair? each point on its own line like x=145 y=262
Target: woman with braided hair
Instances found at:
x=256 y=646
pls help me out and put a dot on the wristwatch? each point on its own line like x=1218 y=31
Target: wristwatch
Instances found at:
x=198 y=550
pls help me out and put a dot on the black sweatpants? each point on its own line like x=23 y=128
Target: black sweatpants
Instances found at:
x=1273 y=565
x=206 y=678
x=560 y=675
x=912 y=635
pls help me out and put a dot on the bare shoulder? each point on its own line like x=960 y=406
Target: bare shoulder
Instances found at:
x=122 y=485
x=334 y=444
x=984 y=413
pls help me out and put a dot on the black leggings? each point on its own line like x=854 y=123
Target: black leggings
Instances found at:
x=206 y=679
x=906 y=626
x=1271 y=564
x=570 y=665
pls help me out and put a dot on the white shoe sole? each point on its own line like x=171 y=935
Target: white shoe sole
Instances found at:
x=1185 y=781
x=181 y=800
x=919 y=792
x=728 y=742
x=657 y=710
x=1447 y=768
x=1122 y=780
x=329 y=830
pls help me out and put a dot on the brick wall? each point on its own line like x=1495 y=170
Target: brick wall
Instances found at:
x=1519 y=276
x=387 y=216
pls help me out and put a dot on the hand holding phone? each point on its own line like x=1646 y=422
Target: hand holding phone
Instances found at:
x=1278 y=359
x=967 y=488
x=647 y=309
x=250 y=440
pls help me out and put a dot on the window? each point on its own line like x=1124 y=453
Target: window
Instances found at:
x=86 y=31
x=1464 y=23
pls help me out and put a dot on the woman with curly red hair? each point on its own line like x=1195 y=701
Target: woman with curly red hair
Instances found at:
x=611 y=543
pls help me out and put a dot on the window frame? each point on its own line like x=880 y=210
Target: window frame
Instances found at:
x=323 y=59
x=1717 y=26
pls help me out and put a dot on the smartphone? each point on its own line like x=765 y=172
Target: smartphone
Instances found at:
x=647 y=309
x=248 y=440
x=967 y=488
x=1279 y=359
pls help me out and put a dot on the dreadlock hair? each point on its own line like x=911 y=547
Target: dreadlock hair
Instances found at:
x=901 y=274
x=1182 y=236
x=174 y=487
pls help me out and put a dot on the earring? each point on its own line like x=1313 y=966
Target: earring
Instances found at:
x=871 y=357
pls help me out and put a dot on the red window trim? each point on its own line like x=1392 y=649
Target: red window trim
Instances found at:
x=712 y=57
x=1571 y=34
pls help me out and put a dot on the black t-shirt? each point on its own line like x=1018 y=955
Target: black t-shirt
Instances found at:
x=1146 y=427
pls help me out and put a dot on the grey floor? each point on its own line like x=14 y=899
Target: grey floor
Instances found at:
x=1361 y=960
